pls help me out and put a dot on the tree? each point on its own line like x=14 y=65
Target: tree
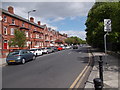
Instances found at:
x=74 y=40
x=95 y=25
x=18 y=40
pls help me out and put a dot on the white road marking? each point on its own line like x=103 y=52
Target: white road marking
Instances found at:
x=69 y=53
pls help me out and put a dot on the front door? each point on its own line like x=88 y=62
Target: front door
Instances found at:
x=5 y=44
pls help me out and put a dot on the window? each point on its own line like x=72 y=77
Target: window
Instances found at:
x=13 y=21
x=5 y=30
x=5 y=19
x=27 y=43
x=37 y=35
x=35 y=29
x=12 y=31
x=31 y=35
x=23 y=24
x=26 y=33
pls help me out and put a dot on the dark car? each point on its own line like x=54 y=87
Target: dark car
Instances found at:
x=54 y=49
x=75 y=47
x=19 y=56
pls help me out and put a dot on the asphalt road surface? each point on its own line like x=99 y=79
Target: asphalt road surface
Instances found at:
x=55 y=70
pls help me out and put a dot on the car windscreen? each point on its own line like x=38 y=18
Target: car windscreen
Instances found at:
x=32 y=50
x=42 y=48
x=39 y=49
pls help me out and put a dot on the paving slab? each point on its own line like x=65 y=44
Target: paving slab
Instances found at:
x=110 y=71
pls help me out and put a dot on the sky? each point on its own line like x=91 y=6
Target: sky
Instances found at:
x=65 y=17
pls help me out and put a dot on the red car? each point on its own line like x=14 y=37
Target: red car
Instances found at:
x=59 y=48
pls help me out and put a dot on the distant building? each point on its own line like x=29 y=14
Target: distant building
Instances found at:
x=37 y=35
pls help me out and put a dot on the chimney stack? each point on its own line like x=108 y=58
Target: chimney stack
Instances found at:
x=11 y=9
x=31 y=19
x=39 y=23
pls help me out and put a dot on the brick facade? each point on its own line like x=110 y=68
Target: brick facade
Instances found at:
x=37 y=35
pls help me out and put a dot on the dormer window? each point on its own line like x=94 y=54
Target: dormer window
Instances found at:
x=5 y=19
x=13 y=21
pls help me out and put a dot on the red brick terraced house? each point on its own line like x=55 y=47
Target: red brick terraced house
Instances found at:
x=37 y=35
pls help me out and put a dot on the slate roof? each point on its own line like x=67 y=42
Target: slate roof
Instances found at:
x=21 y=18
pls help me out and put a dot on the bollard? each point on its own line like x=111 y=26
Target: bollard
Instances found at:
x=98 y=84
x=101 y=68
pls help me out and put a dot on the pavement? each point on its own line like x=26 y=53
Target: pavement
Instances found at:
x=2 y=61
x=110 y=71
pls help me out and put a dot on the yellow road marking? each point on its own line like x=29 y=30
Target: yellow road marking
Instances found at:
x=76 y=82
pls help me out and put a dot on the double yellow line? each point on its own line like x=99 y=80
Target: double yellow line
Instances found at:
x=79 y=79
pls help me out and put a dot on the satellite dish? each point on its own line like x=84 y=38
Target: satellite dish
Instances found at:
x=0 y=18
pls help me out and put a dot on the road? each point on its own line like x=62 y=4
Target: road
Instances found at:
x=55 y=70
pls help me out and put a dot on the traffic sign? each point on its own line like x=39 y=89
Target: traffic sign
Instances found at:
x=107 y=25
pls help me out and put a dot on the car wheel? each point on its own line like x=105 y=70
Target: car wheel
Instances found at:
x=36 y=54
x=23 y=61
x=34 y=58
x=8 y=63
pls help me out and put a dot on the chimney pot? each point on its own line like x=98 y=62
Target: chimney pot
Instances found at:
x=38 y=22
x=11 y=9
x=31 y=19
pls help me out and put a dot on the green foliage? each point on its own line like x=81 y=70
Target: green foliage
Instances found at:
x=74 y=40
x=18 y=40
x=95 y=24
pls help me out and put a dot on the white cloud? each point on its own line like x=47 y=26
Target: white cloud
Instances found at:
x=72 y=18
x=80 y=34
x=57 y=19
x=54 y=9
x=46 y=10
x=50 y=0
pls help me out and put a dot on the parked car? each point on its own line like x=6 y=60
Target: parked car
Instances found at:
x=47 y=50
x=44 y=50
x=59 y=48
x=75 y=47
x=68 y=47
x=19 y=56
x=63 y=47
x=54 y=48
x=36 y=52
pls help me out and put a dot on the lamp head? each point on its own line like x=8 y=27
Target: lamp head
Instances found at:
x=34 y=10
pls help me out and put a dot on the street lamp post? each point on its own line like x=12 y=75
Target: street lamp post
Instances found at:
x=28 y=25
x=29 y=13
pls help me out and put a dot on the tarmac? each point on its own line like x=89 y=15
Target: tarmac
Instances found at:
x=111 y=71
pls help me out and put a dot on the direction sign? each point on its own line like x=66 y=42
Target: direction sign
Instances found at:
x=107 y=25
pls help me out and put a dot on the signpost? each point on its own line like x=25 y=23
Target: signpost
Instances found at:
x=98 y=82
x=107 y=28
